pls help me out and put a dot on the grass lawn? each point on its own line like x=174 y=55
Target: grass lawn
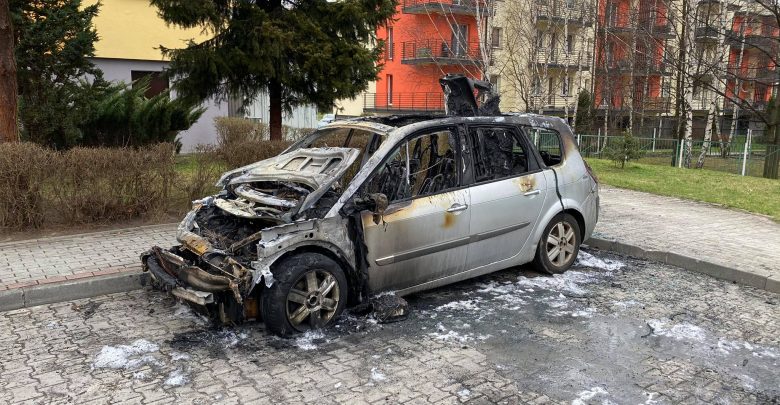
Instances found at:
x=754 y=194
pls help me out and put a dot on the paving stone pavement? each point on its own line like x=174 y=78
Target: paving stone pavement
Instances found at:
x=60 y=258
x=613 y=330
x=707 y=232
x=727 y=237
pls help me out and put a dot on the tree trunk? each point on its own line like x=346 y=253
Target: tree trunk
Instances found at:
x=772 y=159
x=275 y=110
x=9 y=130
x=705 y=147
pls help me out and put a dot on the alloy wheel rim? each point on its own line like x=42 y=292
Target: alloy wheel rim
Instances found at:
x=560 y=244
x=313 y=299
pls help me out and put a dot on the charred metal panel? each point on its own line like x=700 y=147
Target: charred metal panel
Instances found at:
x=417 y=240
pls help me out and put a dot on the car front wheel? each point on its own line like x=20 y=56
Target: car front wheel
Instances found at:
x=309 y=292
x=559 y=245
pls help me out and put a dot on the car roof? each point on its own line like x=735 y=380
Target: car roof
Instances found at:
x=387 y=123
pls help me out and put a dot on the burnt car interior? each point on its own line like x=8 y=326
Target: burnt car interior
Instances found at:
x=421 y=166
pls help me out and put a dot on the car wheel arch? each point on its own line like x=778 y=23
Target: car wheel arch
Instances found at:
x=580 y=220
x=330 y=251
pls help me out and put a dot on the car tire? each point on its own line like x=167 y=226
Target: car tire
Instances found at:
x=309 y=292
x=550 y=260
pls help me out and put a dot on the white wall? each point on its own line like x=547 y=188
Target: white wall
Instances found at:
x=202 y=132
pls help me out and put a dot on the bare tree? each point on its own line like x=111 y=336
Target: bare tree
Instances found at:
x=546 y=51
x=9 y=131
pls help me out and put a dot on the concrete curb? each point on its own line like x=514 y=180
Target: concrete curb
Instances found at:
x=87 y=287
x=758 y=280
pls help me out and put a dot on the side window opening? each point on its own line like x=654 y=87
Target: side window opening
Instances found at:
x=497 y=152
x=548 y=143
x=421 y=166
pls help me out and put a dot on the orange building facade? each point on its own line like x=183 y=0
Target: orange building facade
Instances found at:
x=426 y=40
x=751 y=64
x=631 y=42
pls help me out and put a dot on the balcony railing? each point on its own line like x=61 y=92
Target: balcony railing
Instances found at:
x=707 y=33
x=573 y=11
x=647 y=104
x=403 y=102
x=763 y=37
x=447 y=7
x=440 y=52
x=551 y=102
x=639 y=66
x=558 y=57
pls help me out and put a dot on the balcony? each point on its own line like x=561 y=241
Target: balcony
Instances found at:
x=702 y=102
x=558 y=58
x=446 y=7
x=571 y=11
x=762 y=37
x=403 y=102
x=707 y=33
x=648 y=104
x=551 y=102
x=639 y=67
x=439 y=52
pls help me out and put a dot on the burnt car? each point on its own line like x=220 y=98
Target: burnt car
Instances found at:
x=370 y=205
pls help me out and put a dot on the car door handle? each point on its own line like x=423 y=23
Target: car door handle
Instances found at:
x=534 y=192
x=457 y=207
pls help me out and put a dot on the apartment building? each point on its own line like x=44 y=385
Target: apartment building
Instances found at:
x=426 y=40
x=632 y=82
x=545 y=58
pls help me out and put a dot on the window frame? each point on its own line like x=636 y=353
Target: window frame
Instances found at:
x=456 y=130
x=540 y=161
x=535 y=164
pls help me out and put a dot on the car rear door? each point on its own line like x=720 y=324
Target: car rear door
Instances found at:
x=507 y=195
x=423 y=235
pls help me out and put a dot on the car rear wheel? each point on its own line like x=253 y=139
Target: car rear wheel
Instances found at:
x=309 y=292
x=559 y=245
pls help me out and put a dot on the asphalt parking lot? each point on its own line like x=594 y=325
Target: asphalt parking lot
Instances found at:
x=612 y=330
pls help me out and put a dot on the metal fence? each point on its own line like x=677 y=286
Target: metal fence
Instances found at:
x=742 y=155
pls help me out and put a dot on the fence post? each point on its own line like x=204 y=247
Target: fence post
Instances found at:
x=654 y=130
x=745 y=151
x=598 y=143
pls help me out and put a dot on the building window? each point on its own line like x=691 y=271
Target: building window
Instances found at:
x=460 y=36
x=495 y=81
x=565 y=86
x=495 y=39
x=536 y=86
x=390 y=46
x=570 y=44
x=389 y=89
x=158 y=83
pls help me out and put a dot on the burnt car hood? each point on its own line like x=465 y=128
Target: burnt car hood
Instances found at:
x=316 y=168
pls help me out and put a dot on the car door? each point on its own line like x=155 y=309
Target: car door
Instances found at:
x=424 y=232
x=507 y=195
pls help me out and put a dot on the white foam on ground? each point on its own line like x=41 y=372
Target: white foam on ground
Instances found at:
x=622 y=305
x=179 y=356
x=464 y=305
x=376 y=375
x=570 y=282
x=464 y=393
x=129 y=356
x=306 y=341
x=679 y=331
x=177 y=378
x=586 y=259
x=585 y=396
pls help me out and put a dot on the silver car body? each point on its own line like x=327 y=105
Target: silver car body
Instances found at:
x=420 y=243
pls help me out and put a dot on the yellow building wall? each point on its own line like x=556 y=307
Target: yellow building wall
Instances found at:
x=131 y=29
